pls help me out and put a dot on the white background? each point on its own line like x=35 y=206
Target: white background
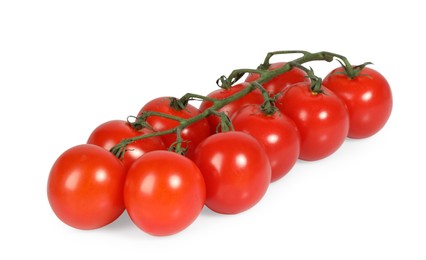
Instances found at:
x=68 y=66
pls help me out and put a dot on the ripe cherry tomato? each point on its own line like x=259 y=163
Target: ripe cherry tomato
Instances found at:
x=254 y=97
x=322 y=119
x=277 y=133
x=112 y=132
x=368 y=98
x=236 y=171
x=85 y=187
x=193 y=134
x=280 y=82
x=164 y=192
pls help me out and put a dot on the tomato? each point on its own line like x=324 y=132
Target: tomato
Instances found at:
x=322 y=119
x=368 y=98
x=254 y=97
x=277 y=134
x=192 y=135
x=236 y=171
x=280 y=82
x=112 y=132
x=85 y=187
x=164 y=192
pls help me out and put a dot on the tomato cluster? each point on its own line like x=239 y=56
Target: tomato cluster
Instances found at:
x=164 y=179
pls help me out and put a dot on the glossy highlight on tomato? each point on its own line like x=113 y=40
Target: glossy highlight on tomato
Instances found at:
x=164 y=192
x=277 y=134
x=236 y=171
x=112 y=132
x=367 y=96
x=85 y=187
x=322 y=119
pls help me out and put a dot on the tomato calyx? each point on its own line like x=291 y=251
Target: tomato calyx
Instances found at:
x=268 y=107
x=353 y=71
x=139 y=123
x=225 y=122
x=177 y=146
x=224 y=82
x=316 y=82
x=178 y=104
x=316 y=85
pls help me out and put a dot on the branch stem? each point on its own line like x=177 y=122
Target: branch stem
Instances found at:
x=265 y=75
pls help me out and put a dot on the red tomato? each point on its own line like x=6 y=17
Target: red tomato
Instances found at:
x=277 y=133
x=164 y=192
x=368 y=98
x=85 y=187
x=112 y=132
x=280 y=82
x=322 y=119
x=236 y=171
x=194 y=133
x=254 y=97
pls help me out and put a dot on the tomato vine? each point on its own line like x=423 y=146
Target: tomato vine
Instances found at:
x=226 y=82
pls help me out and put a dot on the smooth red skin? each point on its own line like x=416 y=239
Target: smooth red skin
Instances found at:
x=194 y=133
x=280 y=82
x=254 y=97
x=112 y=132
x=277 y=134
x=368 y=98
x=322 y=120
x=85 y=187
x=164 y=192
x=236 y=171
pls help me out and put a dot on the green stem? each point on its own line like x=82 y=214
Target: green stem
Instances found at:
x=119 y=149
x=307 y=57
x=316 y=82
x=139 y=123
x=191 y=96
x=177 y=104
x=265 y=75
x=266 y=63
x=225 y=123
x=177 y=146
x=236 y=75
x=350 y=71
x=147 y=114
x=268 y=107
